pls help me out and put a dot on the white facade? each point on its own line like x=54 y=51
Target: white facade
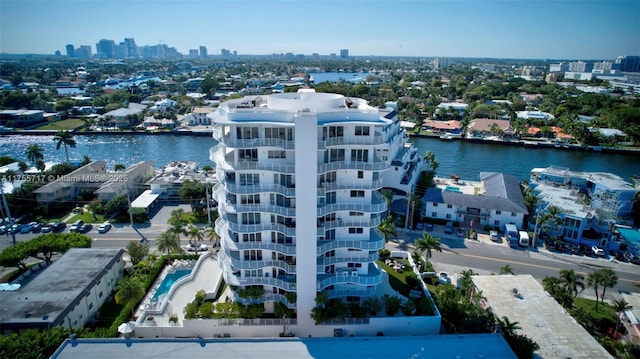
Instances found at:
x=299 y=175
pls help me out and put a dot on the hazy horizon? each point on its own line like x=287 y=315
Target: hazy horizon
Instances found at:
x=511 y=29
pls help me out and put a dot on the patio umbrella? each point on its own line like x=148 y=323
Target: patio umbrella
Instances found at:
x=126 y=328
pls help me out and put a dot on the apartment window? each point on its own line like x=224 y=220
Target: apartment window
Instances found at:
x=247 y=133
x=498 y=212
x=248 y=154
x=253 y=273
x=354 y=265
x=249 y=179
x=435 y=204
x=358 y=194
x=252 y=237
x=279 y=133
x=336 y=131
x=250 y=199
x=336 y=155
x=330 y=235
x=362 y=130
x=253 y=255
x=449 y=206
x=356 y=214
x=355 y=230
x=100 y=295
x=496 y=223
x=251 y=218
x=360 y=174
x=513 y=214
x=434 y=214
x=360 y=155
x=276 y=154
x=90 y=306
x=448 y=216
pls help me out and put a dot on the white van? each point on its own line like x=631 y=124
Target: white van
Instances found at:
x=523 y=239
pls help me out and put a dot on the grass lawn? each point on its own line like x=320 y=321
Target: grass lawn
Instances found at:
x=87 y=217
x=397 y=280
x=67 y=125
x=604 y=309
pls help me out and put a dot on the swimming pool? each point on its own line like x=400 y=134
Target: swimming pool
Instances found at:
x=168 y=281
x=452 y=189
x=630 y=235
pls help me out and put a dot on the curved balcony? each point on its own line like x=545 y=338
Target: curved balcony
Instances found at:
x=375 y=242
x=371 y=223
x=227 y=242
x=267 y=297
x=226 y=162
x=377 y=205
x=253 y=228
x=374 y=277
x=254 y=189
x=376 y=139
x=321 y=262
x=264 y=208
x=256 y=142
x=333 y=186
x=352 y=165
x=287 y=283
x=246 y=264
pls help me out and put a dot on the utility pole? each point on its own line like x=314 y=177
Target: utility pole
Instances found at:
x=206 y=191
x=6 y=208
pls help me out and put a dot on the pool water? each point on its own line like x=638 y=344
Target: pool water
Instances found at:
x=168 y=281
x=452 y=189
x=630 y=235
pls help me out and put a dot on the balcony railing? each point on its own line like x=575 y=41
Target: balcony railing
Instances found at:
x=321 y=262
x=257 y=142
x=253 y=228
x=377 y=205
x=253 y=189
x=267 y=297
x=343 y=293
x=355 y=184
x=376 y=139
x=264 y=208
x=227 y=242
x=287 y=283
x=373 y=244
x=352 y=165
x=374 y=277
x=371 y=223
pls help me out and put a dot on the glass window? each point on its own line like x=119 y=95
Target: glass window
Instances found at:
x=357 y=193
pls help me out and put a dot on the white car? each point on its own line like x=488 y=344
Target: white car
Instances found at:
x=494 y=236
x=198 y=247
x=104 y=228
x=597 y=251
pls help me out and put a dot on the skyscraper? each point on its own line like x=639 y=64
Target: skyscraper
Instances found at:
x=299 y=205
x=203 y=52
x=131 y=50
x=71 y=52
x=106 y=49
x=630 y=64
x=344 y=53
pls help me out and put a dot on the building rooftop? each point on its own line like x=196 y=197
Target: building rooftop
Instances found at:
x=434 y=346
x=539 y=316
x=47 y=298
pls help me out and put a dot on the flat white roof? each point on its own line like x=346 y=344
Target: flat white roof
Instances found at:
x=144 y=200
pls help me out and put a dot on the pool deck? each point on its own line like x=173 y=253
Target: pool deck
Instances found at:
x=463 y=186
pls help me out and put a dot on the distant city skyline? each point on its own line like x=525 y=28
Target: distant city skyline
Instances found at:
x=561 y=29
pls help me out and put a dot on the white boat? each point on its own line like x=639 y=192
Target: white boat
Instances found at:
x=446 y=136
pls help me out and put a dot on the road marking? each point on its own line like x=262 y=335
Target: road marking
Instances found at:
x=532 y=265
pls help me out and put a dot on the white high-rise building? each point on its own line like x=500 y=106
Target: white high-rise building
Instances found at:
x=299 y=202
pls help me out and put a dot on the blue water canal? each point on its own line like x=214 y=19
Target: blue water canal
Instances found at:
x=466 y=159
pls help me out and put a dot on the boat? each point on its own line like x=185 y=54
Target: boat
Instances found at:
x=446 y=136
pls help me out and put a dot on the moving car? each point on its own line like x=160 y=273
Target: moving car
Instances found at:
x=104 y=228
x=197 y=247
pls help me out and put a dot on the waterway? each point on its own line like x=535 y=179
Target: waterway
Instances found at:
x=466 y=159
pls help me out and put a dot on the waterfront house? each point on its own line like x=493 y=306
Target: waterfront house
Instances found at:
x=450 y=110
x=199 y=116
x=451 y=126
x=493 y=202
x=486 y=127
x=21 y=118
x=66 y=188
x=589 y=203
x=123 y=117
x=129 y=182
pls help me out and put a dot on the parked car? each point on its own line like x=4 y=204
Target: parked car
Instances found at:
x=448 y=228
x=36 y=227
x=59 y=226
x=15 y=228
x=494 y=236
x=76 y=225
x=444 y=278
x=4 y=229
x=428 y=227
x=597 y=251
x=47 y=228
x=104 y=228
x=26 y=228
x=197 y=247
x=420 y=226
x=85 y=228
x=460 y=232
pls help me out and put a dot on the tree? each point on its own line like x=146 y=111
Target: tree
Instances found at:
x=129 y=291
x=40 y=165
x=593 y=280
x=196 y=234
x=570 y=281
x=178 y=223
x=64 y=138
x=608 y=279
x=137 y=251
x=619 y=305
x=426 y=244
x=118 y=167
x=388 y=228
x=168 y=241
x=506 y=269
x=34 y=153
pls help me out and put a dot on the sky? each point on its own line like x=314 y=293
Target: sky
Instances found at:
x=533 y=29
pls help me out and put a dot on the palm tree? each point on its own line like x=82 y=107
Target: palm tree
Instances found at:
x=196 y=234
x=506 y=269
x=551 y=284
x=211 y=234
x=426 y=244
x=570 y=281
x=34 y=153
x=619 y=305
x=168 y=241
x=178 y=224
x=40 y=165
x=64 y=138
x=593 y=280
x=388 y=196
x=118 y=167
x=608 y=279
x=388 y=228
x=129 y=291
x=466 y=283
x=508 y=327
